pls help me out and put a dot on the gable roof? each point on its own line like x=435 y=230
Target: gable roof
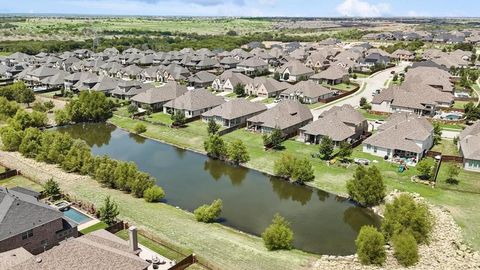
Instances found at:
x=285 y=114
x=400 y=132
x=296 y=68
x=169 y=91
x=271 y=85
x=96 y=250
x=308 y=89
x=470 y=141
x=236 y=108
x=345 y=113
x=20 y=212
x=334 y=72
x=195 y=100
x=331 y=127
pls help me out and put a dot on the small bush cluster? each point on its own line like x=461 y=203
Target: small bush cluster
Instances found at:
x=209 y=213
x=278 y=235
x=299 y=170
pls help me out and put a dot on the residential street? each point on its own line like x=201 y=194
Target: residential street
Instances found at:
x=373 y=83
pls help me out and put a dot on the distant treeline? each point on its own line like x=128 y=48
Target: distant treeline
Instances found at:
x=165 y=43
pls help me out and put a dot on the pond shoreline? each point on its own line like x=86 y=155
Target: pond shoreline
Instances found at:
x=341 y=195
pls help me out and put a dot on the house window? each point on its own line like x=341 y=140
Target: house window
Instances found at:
x=27 y=234
x=369 y=147
x=375 y=149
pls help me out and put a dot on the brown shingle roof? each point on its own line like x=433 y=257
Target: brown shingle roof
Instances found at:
x=195 y=100
x=284 y=115
x=236 y=108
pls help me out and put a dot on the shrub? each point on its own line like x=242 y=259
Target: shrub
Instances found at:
x=297 y=169
x=237 y=152
x=139 y=128
x=11 y=138
x=215 y=147
x=326 y=148
x=452 y=172
x=274 y=140
x=404 y=214
x=278 y=235
x=131 y=109
x=209 y=213
x=109 y=211
x=405 y=249
x=62 y=118
x=367 y=186
x=49 y=105
x=212 y=127
x=370 y=246
x=178 y=119
x=51 y=188
x=425 y=168
x=153 y=194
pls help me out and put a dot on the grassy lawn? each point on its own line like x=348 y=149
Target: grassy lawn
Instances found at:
x=452 y=126
x=160 y=118
x=341 y=86
x=122 y=111
x=20 y=181
x=95 y=227
x=328 y=177
x=268 y=100
x=371 y=116
x=361 y=75
x=459 y=104
x=446 y=147
x=218 y=244
x=2 y=169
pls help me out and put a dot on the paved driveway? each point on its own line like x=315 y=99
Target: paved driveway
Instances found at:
x=368 y=86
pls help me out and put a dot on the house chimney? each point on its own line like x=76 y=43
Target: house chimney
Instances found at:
x=133 y=239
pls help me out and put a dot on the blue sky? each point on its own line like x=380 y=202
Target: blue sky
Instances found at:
x=293 y=8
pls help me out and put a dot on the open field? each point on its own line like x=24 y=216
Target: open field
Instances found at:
x=331 y=178
x=42 y=28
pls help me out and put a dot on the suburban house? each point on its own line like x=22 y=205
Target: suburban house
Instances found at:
x=234 y=112
x=265 y=87
x=193 y=103
x=307 y=92
x=29 y=223
x=340 y=123
x=403 y=55
x=418 y=99
x=228 y=80
x=96 y=250
x=201 y=79
x=432 y=76
x=469 y=145
x=229 y=62
x=294 y=71
x=404 y=135
x=253 y=65
x=128 y=89
x=373 y=59
x=156 y=97
x=334 y=74
x=288 y=116
x=317 y=61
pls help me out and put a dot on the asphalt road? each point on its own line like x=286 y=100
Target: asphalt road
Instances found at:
x=372 y=83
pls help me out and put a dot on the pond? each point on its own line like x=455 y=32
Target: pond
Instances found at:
x=322 y=222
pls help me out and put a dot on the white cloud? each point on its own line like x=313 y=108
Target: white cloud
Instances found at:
x=414 y=13
x=362 y=8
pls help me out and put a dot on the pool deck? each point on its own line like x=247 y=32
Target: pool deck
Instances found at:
x=87 y=224
x=148 y=254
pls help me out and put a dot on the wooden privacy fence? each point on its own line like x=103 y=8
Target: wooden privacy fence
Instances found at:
x=327 y=100
x=8 y=173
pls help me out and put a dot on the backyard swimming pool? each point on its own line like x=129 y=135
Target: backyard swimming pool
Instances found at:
x=76 y=216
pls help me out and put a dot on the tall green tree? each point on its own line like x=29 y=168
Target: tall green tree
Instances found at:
x=51 y=188
x=109 y=211
x=212 y=127
x=367 y=186
x=237 y=152
x=239 y=90
x=370 y=246
x=11 y=138
x=90 y=107
x=345 y=151
x=425 y=168
x=274 y=139
x=278 y=235
x=215 y=147
x=31 y=142
x=437 y=133
x=326 y=148
x=406 y=215
x=178 y=119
